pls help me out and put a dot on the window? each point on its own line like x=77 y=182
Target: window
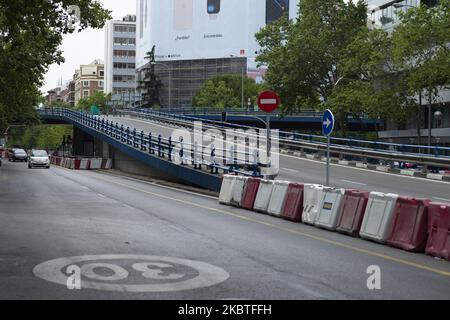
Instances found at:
x=100 y=83
x=85 y=83
x=102 y=73
x=85 y=93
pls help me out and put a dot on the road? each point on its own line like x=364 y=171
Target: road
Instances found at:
x=310 y=171
x=227 y=253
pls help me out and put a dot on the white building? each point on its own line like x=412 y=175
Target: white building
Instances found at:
x=197 y=39
x=120 y=58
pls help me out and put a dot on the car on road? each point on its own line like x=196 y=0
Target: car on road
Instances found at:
x=38 y=158
x=17 y=155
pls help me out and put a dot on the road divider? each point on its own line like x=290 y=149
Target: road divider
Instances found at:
x=82 y=163
x=313 y=194
x=352 y=212
x=327 y=215
x=250 y=192
x=277 y=200
x=378 y=216
x=293 y=205
x=263 y=197
x=410 y=224
x=416 y=225
x=438 y=244
x=238 y=190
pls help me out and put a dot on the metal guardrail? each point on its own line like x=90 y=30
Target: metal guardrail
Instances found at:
x=437 y=156
x=186 y=153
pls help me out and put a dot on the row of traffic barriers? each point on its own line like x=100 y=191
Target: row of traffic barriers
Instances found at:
x=82 y=164
x=416 y=225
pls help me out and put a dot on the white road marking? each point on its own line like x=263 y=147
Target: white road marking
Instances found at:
x=290 y=170
x=441 y=199
x=207 y=274
x=354 y=182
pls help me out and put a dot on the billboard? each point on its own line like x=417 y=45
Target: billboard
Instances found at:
x=204 y=29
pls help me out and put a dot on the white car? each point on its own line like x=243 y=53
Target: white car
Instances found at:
x=38 y=158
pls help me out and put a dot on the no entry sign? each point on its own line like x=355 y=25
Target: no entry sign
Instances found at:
x=268 y=101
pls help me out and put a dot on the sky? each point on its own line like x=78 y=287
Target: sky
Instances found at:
x=86 y=46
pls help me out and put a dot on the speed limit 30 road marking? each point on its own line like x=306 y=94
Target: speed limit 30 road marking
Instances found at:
x=154 y=273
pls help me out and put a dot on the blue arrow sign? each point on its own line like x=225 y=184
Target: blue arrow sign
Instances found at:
x=328 y=123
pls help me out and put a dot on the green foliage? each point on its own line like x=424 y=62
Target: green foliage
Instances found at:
x=98 y=99
x=39 y=137
x=421 y=48
x=216 y=95
x=150 y=85
x=303 y=55
x=226 y=91
x=30 y=35
x=329 y=58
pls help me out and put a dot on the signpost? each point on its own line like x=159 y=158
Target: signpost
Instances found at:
x=268 y=101
x=327 y=129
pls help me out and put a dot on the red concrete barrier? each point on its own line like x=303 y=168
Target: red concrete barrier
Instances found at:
x=77 y=163
x=410 y=224
x=250 y=192
x=438 y=244
x=293 y=204
x=352 y=212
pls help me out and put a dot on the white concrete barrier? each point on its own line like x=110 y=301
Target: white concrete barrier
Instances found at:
x=108 y=164
x=85 y=164
x=238 y=190
x=263 y=196
x=96 y=163
x=330 y=207
x=311 y=202
x=276 y=203
x=226 y=191
x=378 y=216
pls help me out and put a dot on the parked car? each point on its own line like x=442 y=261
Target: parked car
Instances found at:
x=38 y=158
x=17 y=155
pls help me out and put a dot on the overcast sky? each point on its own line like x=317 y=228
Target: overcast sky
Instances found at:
x=86 y=46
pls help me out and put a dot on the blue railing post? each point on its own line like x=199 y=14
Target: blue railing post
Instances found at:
x=159 y=146
x=255 y=162
x=142 y=141
x=170 y=149
x=135 y=145
x=214 y=169
x=128 y=135
x=150 y=143
x=122 y=133
x=182 y=150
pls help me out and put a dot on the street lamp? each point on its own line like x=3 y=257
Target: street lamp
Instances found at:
x=170 y=81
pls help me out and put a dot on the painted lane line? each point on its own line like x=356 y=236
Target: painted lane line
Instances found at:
x=441 y=199
x=354 y=182
x=288 y=230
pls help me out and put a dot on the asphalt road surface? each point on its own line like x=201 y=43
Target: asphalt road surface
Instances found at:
x=310 y=171
x=134 y=240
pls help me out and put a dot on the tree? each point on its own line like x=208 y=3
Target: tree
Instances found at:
x=98 y=99
x=30 y=35
x=231 y=98
x=150 y=85
x=421 y=49
x=39 y=137
x=216 y=95
x=303 y=55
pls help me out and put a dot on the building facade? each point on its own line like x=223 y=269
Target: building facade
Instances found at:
x=120 y=58
x=88 y=80
x=196 y=40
